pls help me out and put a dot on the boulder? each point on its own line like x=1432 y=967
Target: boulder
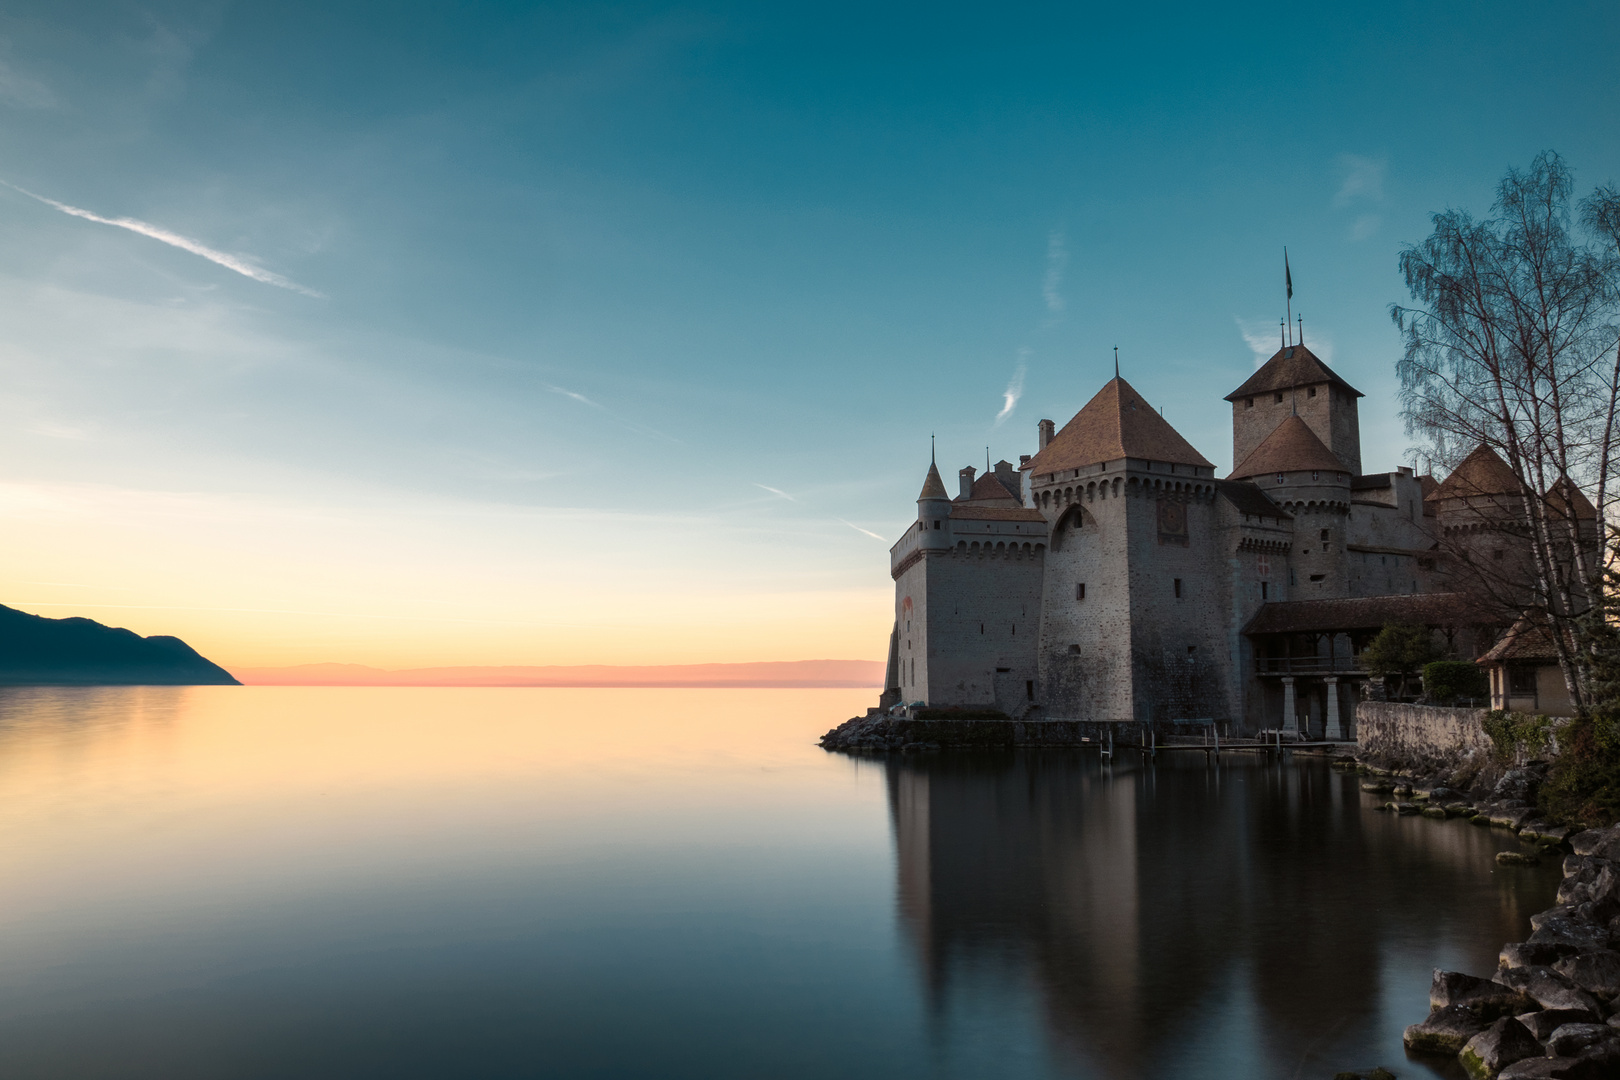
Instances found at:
x=1570 y=926
x=1503 y=1043
x=1604 y=843
x=1378 y=787
x=1517 y=858
x=1446 y=1031
x=1562 y=1068
x=1574 y=1040
x=1461 y=809
x=1596 y=972
x=1532 y=954
x=1550 y=989
x=1435 y=812
x=1545 y=832
x=1406 y=807
x=1379 y=1073
x=1543 y=1024
x=1511 y=819
x=1490 y=1000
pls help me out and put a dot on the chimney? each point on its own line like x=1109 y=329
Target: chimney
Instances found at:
x=1046 y=429
x=967 y=481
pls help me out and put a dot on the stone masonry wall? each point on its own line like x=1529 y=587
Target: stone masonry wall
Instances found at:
x=1419 y=732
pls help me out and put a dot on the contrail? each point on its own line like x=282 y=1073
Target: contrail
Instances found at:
x=241 y=265
x=573 y=394
x=858 y=529
x=776 y=491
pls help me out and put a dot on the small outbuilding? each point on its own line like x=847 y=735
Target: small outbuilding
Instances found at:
x=1524 y=672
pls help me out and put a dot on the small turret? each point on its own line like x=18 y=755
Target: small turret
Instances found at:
x=933 y=509
x=966 y=478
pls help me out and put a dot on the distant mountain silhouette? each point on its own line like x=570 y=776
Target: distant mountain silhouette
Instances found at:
x=36 y=651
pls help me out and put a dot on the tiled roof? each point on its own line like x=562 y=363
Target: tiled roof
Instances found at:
x=1529 y=639
x=1117 y=423
x=1480 y=473
x=933 y=487
x=990 y=487
x=1366 y=613
x=1249 y=499
x=1291 y=447
x=994 y=511
x=1291 y=366
x=1584 y=510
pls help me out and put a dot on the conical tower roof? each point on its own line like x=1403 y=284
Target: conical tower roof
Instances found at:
x=1117 y=423
x=1482 y=472
x=933 y=487
x=1290 y=366
x=1291 y=447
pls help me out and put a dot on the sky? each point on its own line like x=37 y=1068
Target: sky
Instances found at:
x=408 y=334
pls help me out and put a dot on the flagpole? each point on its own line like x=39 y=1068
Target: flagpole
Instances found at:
x=1288 y=285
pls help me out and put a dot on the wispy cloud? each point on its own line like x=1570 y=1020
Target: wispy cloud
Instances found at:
x=576 y=395
x=1057 y=258
x=1015 y=389
x=778 y=492
x=1364 y=226
x=1265 y=338
x=1363 y=179
x=19 y=91
x=241 y=264
x=864 y=532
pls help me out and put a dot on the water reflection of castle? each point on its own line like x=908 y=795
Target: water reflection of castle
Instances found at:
x=1142 y=900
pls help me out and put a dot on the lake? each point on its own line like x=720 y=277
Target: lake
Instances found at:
x=230 y=882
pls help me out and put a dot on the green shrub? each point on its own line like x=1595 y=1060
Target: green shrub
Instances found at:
x=1445 y=681
x=1584 y=782
x=1518 y=735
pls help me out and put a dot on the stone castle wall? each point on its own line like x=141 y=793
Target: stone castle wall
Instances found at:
x=1419 y=732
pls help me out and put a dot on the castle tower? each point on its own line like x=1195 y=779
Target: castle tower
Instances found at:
x=1295 y=382
x=1301 y=475
x=1132 y=614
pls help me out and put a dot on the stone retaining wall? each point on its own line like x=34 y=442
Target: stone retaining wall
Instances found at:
x=1419 y=732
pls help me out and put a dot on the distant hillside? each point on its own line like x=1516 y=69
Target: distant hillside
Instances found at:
x=36 y=651
x=790 y=673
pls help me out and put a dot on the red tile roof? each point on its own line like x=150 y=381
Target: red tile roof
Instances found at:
x=1584 y=510
x=1367 y=613
x=1529 y=639
x=1117 y=423
x=994 y=511
x=1291 y=447
x=1290 y=366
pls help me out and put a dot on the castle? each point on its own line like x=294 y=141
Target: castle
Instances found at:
x=1112 y=576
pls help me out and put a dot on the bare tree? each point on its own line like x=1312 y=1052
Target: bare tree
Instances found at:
x=1512 y=344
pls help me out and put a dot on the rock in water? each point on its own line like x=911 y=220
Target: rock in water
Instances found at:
x=1550 y=989
x=1516 y=858
x=1506 y=1041
x=1488 y=999
x=1446 y=1031
x=1574 y=1040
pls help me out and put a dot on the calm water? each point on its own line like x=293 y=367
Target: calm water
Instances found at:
x=286 y=882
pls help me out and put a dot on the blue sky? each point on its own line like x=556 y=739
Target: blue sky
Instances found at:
x=610 y=332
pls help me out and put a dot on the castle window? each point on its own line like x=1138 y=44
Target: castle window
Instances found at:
x=981 y=628
x=1015 y=629
x=1080 y=591
x=1311 y=392
x=1178 y=587
x=1315 y=475
x=1074 y=650
x=1324 y=534
x=1279 y=478
x=1318 y=577
x=1521 y=680
x=1029 y=690
x=1265 y=587
x=1248 y=403
x=936 y=524
x=1191 y=649
x=1279 y=399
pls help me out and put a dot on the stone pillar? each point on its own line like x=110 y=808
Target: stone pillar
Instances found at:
x=1335 y=730
x=1290 y=712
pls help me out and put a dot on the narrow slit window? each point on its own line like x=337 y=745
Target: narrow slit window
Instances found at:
x=1178 y=587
